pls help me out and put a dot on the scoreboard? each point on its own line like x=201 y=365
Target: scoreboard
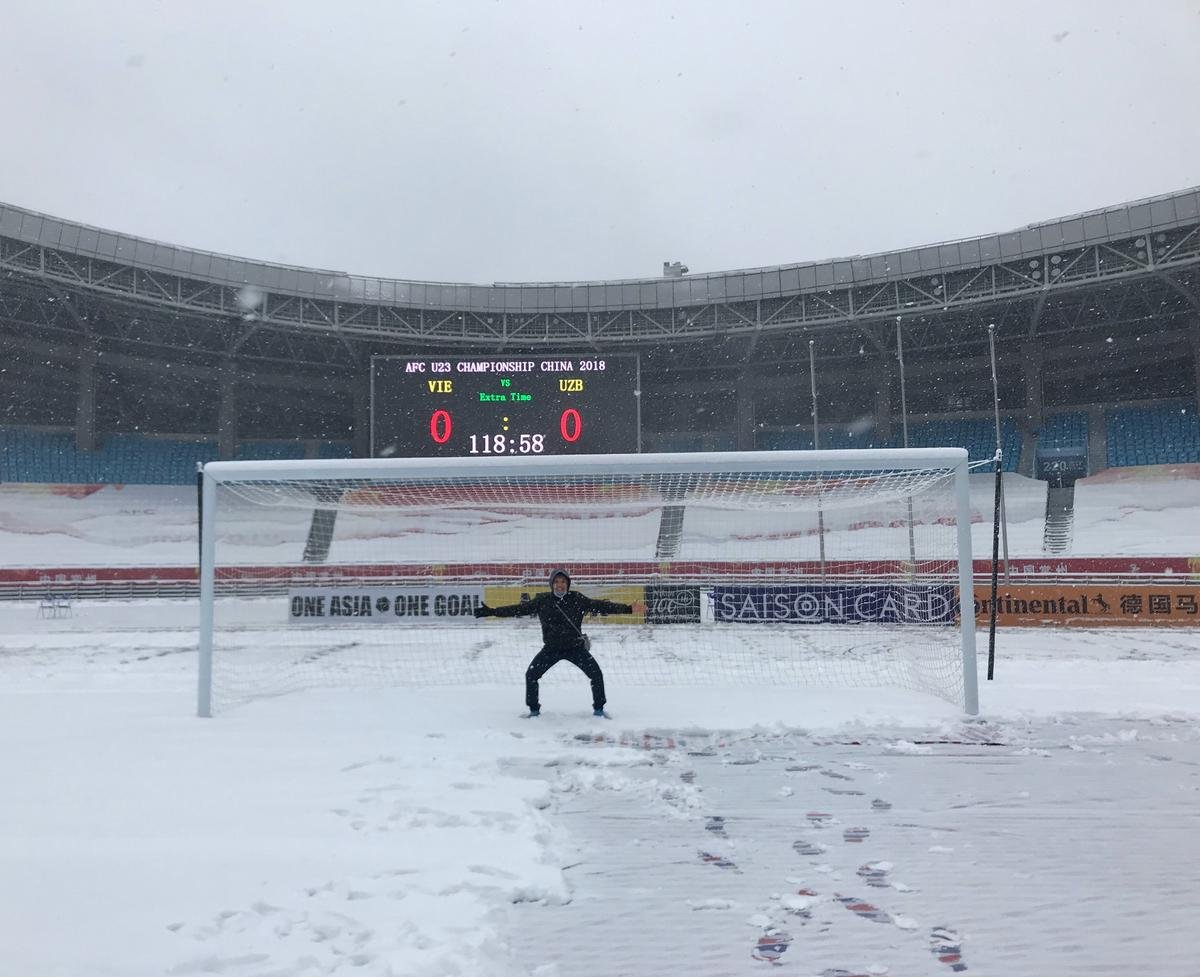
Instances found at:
x=546 y=404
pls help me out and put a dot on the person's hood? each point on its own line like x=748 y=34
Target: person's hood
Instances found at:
x=559 y=572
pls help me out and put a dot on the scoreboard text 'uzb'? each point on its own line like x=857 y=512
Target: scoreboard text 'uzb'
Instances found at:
x=549 y=404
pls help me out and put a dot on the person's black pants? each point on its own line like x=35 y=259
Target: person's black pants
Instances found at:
x=546 y=659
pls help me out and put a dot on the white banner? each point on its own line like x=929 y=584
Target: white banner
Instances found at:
x=383 y=605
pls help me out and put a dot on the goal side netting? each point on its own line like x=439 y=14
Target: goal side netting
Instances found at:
x=784 y=569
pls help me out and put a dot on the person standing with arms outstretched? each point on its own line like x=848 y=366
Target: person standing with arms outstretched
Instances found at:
x=561 y=612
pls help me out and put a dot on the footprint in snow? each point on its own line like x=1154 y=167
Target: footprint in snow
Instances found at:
x=720 y=861
x=864 y=909
x=875 y=874
x=771 y=946
x=946 y=945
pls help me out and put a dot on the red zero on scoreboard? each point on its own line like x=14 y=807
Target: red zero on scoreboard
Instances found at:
x=571 y=425
x=520 y=405
x=440 y=426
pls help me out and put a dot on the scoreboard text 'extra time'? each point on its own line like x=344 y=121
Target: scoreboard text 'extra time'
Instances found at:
x=522 y=404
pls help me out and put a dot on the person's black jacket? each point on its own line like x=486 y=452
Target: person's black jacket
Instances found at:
x=561 y=617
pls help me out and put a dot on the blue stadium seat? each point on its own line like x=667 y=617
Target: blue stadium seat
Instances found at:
x=1159 y=434
x=128 y=459
x=335 y=449
x=673 y=441
x=269 y=450
x=801 y=439
x=977 y=436
x=1064 y=433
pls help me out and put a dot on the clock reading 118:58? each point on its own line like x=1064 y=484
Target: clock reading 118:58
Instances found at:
x=550 y=404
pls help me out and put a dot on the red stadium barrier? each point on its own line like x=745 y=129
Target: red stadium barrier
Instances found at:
x=1100 y=566
x=176 y=581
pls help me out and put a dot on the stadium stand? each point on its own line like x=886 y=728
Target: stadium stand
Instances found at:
x=335 y=449
x=51 y=458
x=129 y=459
x=801 y=440
x=688 y=441
x=1164 y=433
x=269 y=450
x=977 y=435
x=1064 y=433
x=1159 y=434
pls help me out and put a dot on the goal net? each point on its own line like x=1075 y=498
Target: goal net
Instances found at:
x=818 y=568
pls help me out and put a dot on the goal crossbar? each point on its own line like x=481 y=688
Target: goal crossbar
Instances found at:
x=724 y=462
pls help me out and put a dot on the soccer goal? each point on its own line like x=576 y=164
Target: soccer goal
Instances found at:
x=807 y=568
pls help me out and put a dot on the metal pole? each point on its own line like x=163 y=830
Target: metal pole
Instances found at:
x=903 y=400
x=966 y=586
x=208 y=549
x=637 y=395
x=912 y=539
x=996 y=412
x=199 y=514
x=991 y=669
x=812 y=380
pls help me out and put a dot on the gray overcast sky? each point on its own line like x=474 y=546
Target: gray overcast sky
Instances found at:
x=486 y=141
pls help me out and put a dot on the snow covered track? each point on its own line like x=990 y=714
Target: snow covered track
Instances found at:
x=881 y=857
x=707 y=831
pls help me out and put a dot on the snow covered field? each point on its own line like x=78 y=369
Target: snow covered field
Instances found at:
x=1154 y=511
x=724 y=829
x=434 y=832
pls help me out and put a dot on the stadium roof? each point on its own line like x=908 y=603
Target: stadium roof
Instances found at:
x=1163 y=212
x=1157 y=237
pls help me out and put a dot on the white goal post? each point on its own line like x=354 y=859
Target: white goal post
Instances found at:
x=785 y=568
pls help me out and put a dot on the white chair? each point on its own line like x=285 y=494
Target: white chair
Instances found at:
x=54 y=604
